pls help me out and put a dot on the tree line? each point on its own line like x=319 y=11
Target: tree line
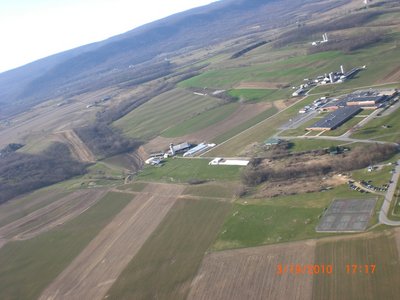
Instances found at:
x=21 y=172
x=358 y=158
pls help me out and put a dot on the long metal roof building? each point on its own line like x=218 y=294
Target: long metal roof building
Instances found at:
x=336 y=118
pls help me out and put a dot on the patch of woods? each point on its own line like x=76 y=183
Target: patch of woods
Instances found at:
x=248 y=49
x=302 y=33
x=104 y=140
x=21 y=173
x=360 y=157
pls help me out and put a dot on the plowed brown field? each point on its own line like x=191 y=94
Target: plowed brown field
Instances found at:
x=252 y=274
x=75 y=144
x=93 y=272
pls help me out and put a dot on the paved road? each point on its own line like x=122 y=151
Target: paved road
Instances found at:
x=383 y=219
x=335 y=138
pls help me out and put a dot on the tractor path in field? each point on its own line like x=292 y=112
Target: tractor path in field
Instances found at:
x=76 y=145
x=93 y=272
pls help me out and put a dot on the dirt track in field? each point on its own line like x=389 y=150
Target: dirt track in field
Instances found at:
x=76 y=145
x=251 y=273
x=50 y=216
x=93 y=272
x=244 y=113
x=261 y=85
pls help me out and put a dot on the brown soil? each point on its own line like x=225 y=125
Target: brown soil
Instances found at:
x=261 y=85
x=242 y=114
x=76 y=145
x=93 y=272
x=299 y=186
x=252 y=273
x=393 y=76
x=52 y=215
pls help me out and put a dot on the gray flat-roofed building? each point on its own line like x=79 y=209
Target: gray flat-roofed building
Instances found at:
x=336 y=118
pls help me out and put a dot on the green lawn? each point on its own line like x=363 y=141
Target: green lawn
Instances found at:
x=202 y=120
x=377 y=177
x=164 y=111
x=170 y=258
x=255 y=222
x=300 y=145
x=184 y=170
x=28 y=267
x=375 y=130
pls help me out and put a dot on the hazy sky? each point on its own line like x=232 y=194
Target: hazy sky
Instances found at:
x=32 y=29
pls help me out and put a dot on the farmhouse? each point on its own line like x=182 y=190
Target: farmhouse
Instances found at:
x=336 y=118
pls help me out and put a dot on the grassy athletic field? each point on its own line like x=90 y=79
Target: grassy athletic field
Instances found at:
x=170 y=258
x=50 y=253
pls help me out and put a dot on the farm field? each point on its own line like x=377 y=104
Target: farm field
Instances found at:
x=52 y=215
x=170 y=258
x=96 y=268
x=371 y=249
x=50 y=253
x=181 y=170
x=25 y=205
x=255 y=222
x=201 y=121
x=256 y=95
x=245 y=114
x=252 y=273
x=164 y=111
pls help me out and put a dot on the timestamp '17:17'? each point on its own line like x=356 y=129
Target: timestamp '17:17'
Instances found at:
x=365 y=269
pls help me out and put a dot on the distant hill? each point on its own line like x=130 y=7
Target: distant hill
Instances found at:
x=108 y=62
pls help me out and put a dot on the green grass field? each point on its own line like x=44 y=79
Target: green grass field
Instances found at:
x=256 y=222
x=170 y=258
x=183 y=170
x=375 y=130
x=379 y=250
x=300 y=145
x=258 y=95
x=213 y=190
x=377 y=177
x=289 y=70
x=27 y=267
x=164 y=111
x=201 y=121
